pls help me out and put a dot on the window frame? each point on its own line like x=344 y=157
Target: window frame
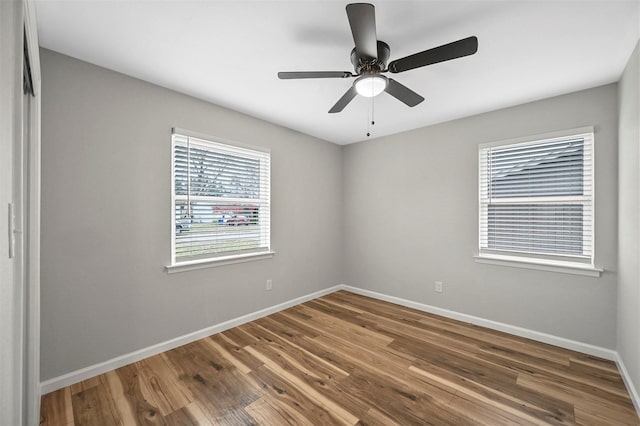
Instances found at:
x=233 y=256
x=579 y=264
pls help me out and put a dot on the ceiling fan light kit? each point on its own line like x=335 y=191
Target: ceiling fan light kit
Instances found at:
x=370 y=85
x=369 y=58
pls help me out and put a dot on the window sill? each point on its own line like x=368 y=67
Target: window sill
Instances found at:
x=540 y=264
x=220 y=261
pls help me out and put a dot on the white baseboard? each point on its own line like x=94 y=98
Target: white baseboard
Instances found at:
x=494 y=325
x=628 y=383
x=94 y=370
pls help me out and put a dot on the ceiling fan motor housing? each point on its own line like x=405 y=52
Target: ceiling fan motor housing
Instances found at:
x=365 y=65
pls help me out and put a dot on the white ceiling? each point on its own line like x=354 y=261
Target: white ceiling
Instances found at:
x=229 y=52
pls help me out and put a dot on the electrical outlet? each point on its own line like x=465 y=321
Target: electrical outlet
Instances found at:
x=438 y=286
x=269 y=285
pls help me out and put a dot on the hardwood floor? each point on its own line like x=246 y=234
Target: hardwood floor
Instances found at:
x=349 y=359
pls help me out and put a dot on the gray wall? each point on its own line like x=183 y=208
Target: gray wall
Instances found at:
x=391 y=215
x=411 y=210
x=629 y=218
x=106 y=210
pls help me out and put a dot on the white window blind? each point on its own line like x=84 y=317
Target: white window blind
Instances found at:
x=536 y=198
x=220 y=197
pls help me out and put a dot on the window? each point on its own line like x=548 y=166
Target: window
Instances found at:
x=220 y=197
x=536 y=198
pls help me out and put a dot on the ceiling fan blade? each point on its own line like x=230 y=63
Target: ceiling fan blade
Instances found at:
x=362 y=19
x=344 y=100
x=457 y=49
x=314 y=74
x=403 y=93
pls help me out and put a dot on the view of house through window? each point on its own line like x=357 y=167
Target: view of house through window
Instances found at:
x=220 y=199
x=536 y=198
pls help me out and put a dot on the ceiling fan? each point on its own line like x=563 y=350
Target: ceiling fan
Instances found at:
x=369 y=58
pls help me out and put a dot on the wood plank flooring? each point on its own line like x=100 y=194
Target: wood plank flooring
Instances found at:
x=348 y=359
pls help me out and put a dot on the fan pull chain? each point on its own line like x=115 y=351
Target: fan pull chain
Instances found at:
x=373 y=111
x=373 y=121
x=368 y=124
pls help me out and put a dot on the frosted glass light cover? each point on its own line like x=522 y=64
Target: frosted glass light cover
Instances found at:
x=370 y=86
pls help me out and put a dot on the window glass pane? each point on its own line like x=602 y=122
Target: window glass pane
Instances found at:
x=555 y=228
x=210 y=228
x=223 y=175
x=547 y=169
x=208 y=173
